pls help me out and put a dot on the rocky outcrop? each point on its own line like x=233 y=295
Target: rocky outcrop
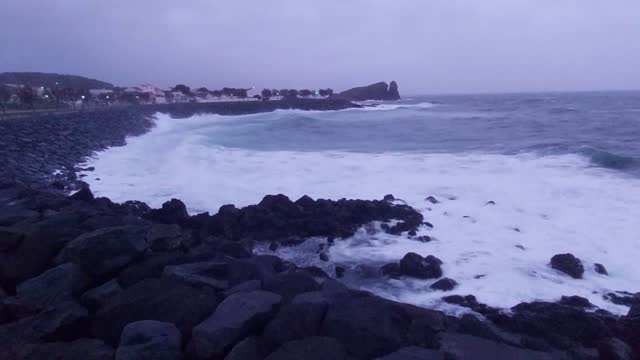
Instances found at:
x=377 y=91
x=209 y=296
x=568 y=264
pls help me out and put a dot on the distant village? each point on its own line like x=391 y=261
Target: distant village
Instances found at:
x=28 y=96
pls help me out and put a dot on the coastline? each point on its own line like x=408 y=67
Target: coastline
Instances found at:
x=168 y=254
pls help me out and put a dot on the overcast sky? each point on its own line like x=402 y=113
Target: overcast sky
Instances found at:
x=428 y=46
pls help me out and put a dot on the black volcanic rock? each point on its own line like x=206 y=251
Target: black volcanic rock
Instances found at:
x=568 y=264
x=377 y=91
x=416 y=266
x=445 y=284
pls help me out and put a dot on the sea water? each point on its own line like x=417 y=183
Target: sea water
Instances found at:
x=563 y=170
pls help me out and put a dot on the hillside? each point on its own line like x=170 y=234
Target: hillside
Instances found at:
x=37 y=79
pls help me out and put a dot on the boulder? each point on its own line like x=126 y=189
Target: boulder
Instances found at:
x=568 y=264
x=172 y=212
x=300 y=319
x=236 y=317
x=288 y=285
x=444 y=284
x=59 y=284
x=631 y=327
x=150 y=340
x=106 y=250
x=65 y=322
x=414 y=265
x=466 y=347
x=311 y=348
x=559 y=324
x=152 y=266
x=600 y=269
x=153 y=299
x=370 y=326
x=83 y=194
x=81 y=349
x=10 y=238
x=247 y=286
x=414 y=353
x=10 y=215
x=377 y=91
x=614 y=349
x=212 y=274
x=576 y=301
x=164 y=237
x=246 y=349
x=96 y=297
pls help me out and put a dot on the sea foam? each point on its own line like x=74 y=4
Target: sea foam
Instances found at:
x=544 y=205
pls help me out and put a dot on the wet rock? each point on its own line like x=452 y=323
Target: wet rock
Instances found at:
x=246 y=349
x=568 y=264
x=247 y=286
x=424 y=238
x=150 y=340
x=83 y=195
x=557 y=323
x=391 y=270
x=432 y=200
x=625 y=299
x=237 y=316
x=470 y=301
x=11 y=215
x=576 y=301
x=54 y=286
x=414 y=265
x=212 y=274
x=323 y=256
x=614 y=349
x=164 y=237
x=490 y=202
x=600 y=269
x=235 y=249
x=152 y=267
x=172 y=212
x=81 y=349
x=96 y=297
x=311 y=348
x=106 y=250
x=444 y=284
x=340 y=271
x=414 y=353
x=163 y=300
x=631 y=327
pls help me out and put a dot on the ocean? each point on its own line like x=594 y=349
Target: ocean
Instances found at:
x=563 y=170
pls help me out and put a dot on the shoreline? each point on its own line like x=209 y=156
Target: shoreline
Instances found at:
x=61 y=281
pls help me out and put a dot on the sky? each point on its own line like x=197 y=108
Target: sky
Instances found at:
x=428 y=46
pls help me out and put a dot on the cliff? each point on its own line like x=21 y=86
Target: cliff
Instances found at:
x=377 y=91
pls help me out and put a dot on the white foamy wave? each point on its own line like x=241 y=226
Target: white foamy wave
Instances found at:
x=558 y=203
x=373 y=106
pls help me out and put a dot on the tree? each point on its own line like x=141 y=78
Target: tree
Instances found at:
x=242 y=93
x=292 y=94
x=323 y=93
x=329 y=92
x=217 y=93
x=305 y=93
x=27 y=95
x=183 y=89
x=266 y=94
x=284 y=93
x=275 y=92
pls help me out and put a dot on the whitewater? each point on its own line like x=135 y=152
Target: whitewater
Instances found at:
x=519 y=178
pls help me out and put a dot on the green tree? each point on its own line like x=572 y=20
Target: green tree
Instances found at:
x=27 y=96
x=183 y=89
x=305 y=93
x=266 y=93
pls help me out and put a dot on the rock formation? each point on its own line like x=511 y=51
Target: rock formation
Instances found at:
x=377 y=91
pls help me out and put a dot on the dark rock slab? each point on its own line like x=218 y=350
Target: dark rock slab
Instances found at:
x=568 y=264
x=311 y=348
x=56 y=285
x=10 y=238
x=247 y=349
x=300 y=319
x=153 y=299
x=172 y=212
x=96 y=297
x=466 y=347
x=614 y=349
x=106 y=250
x=165 y=237
x=150 y=340
x=288 y=285
x=211 y=273
x=152 y=266
x=414 y=353
x=81 y=349
x=414 y=265
x=237 y=316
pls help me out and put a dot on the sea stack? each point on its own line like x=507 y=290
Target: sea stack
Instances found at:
x=377 y=91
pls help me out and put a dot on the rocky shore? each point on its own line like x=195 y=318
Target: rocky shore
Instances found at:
x=85 y=278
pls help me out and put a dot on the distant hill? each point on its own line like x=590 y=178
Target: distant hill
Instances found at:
x=377 y=91
x=49 y=80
